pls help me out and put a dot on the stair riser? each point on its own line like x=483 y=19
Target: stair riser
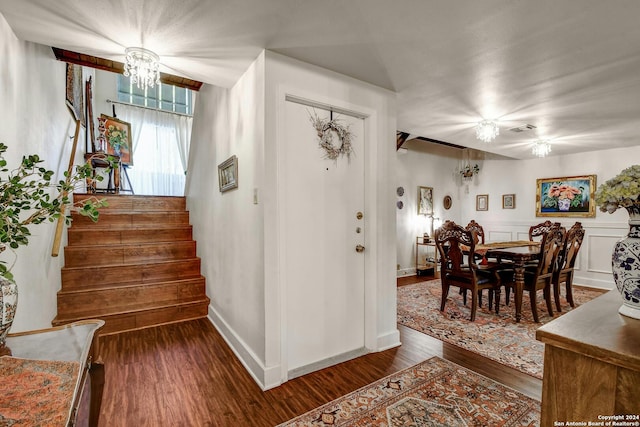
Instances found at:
x=137 y=203
x=93 y=237
x=91 y=277
x=132 y=321
x=105 y=255
x=131 y=220
x=119 y=299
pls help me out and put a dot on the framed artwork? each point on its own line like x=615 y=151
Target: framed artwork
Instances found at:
x=569 y=196
x=482 y=202
x=508 y=201
x=228 y=174
x=425 y=201
x=73 y=96
x=446 y=202
x=117 y=137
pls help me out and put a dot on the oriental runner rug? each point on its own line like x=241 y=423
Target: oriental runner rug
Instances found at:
x=36 y=392
x=497 y=337
x=432 y=393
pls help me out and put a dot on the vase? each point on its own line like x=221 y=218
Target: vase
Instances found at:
x=625 y=264
x=8 y=305
x=564 y=204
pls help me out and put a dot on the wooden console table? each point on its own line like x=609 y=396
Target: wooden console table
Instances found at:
x=591 y=365
x=63 y=358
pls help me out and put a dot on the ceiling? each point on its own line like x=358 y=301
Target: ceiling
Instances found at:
x=571 y=68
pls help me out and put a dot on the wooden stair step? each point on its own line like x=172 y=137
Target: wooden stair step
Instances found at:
x=88 y=277
x=171 y=233
x=136 y=203
x=108 y=220
x=76 y=256
x=122 y=296
x=143 y=316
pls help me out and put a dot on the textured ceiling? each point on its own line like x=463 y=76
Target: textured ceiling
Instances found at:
x=571 y=67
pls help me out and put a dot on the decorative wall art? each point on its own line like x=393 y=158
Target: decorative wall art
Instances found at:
x=117 y=137
x=228 y=174
x=482 y=202
x=508 y=201
x=446 y=202
x=328 y=130
x=571 y=196
x=73 y=96
x=425 y=201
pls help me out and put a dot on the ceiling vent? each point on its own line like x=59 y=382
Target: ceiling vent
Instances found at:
x=523 y=128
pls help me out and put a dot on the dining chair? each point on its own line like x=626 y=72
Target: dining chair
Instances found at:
x=477 y=230
x=566 y=262
x=540 y=277
x=449 y=240
x=541 y=229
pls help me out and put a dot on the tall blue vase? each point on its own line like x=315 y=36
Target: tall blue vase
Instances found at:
x=625 y=264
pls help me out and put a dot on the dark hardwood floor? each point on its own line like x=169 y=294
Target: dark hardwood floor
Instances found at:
x=186 y=375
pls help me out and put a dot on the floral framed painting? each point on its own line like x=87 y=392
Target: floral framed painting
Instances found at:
x=117 y=135
x=425 y=200
x=569 y=196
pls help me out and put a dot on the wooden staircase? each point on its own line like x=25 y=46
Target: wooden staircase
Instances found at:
x=135 y=268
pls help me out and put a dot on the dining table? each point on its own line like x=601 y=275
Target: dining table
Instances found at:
x=519 y=252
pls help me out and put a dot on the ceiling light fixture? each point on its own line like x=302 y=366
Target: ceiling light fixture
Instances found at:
x=487 y=130
x=541 y=148
x=143 y=66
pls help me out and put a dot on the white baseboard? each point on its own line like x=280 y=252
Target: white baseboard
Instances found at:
x=266 y=378
x=406 y=272
x=388 y=340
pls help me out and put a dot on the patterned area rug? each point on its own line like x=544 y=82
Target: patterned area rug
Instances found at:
x=497 y=337
x=36 y=392
x=433 y=393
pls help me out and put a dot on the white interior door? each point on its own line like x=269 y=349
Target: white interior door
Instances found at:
x=324 y=273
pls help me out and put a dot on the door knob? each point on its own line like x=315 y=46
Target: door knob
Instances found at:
x=359 y=248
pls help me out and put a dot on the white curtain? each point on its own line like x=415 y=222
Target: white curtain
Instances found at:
x=160 y=150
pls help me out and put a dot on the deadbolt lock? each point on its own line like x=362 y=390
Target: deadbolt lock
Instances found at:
x=359 y=248
x=359 y=215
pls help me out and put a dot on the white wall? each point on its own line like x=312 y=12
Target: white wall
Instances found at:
x=426 y=165
x=35 y=120
x=498 y=177
x=229 y=226
x=238 y=240
x=287 y=76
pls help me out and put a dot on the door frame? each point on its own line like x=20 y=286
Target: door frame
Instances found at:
x=370 y=255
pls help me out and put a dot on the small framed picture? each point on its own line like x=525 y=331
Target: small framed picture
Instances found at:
x=425 y=200
x=482 y=202
x=508 y=201
x=228 y=174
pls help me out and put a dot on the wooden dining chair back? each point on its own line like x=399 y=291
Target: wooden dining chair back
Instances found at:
x=540 y=277
x=477 y=231
x=539 y=230
x=453 y=242
x=566 y=263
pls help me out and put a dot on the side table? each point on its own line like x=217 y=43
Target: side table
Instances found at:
x=73 y=344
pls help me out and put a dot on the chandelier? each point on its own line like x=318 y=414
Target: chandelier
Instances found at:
x=541 y=148
x=487 y=130
x=143 y=66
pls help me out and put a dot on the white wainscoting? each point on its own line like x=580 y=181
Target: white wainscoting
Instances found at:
x=593 y=266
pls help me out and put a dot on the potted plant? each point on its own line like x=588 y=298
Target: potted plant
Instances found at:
x=29 y=195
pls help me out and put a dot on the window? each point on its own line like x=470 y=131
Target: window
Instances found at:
x=162 y=96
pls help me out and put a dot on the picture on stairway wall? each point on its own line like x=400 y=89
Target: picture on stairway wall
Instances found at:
x=228 y=174
x=117 y=135
x=73 y=95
